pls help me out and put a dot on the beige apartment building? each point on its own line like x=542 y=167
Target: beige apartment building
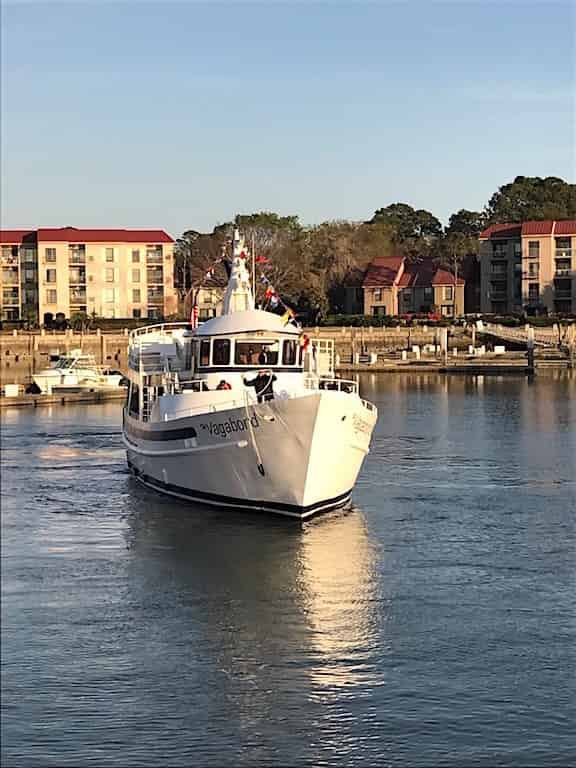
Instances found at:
x=528 y=267
x=109 y=273
x=393 y=286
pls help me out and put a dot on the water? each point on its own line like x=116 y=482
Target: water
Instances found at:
x=434 y=624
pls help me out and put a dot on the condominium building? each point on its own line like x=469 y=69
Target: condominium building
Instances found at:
x=110 y=273
x=528 y=267
x=394 y=286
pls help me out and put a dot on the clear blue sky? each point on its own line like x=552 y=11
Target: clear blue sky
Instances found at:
x=181 y=115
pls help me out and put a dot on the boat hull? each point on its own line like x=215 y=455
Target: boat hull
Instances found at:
x=295 y=457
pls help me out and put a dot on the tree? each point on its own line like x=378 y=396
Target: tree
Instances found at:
x=467 y=223
x=408 y=223
x=81 y=321
x=532 y=197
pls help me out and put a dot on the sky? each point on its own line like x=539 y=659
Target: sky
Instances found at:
x=180 y=115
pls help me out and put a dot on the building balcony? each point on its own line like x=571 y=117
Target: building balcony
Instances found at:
x=154 y=258
x=498 y=295
x=563 y=272
x=11 y=301
x=10 y=277
x=563 y=253
x=155 y=277
x=562 y=294
x=74 y=260
x=77 y=297
x=9 y=261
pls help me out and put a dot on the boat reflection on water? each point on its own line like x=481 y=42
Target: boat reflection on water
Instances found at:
x=272 y=608
x=339 y=589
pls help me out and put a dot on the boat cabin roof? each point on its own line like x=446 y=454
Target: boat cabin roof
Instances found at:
x=246 y=321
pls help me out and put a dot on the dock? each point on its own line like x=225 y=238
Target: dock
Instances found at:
x=75 y=398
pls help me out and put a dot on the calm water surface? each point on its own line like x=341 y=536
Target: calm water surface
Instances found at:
x=434 y=624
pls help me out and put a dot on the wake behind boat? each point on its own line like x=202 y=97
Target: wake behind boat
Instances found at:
x=243 y=411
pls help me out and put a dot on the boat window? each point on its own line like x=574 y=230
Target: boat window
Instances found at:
x=289 y=352
x=134 y=404
x=204 y=353
x=64 y=362
x=256 y=353
x=221 y=352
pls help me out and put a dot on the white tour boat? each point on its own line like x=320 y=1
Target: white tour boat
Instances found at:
x=243 y=411
x=76 y=371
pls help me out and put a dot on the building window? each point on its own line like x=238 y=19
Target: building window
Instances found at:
x=136 y=313
x=136 y=296
x=51 y=297
x=109 y=295
x=377 y=294
x=50 y=275
x=136 y=257
x=221 y=352
x=428 y=293
x=109 y=253
x=534 y=291
x=500 y=249
x=109 y=275
x=135 y=275
x=534 y=249
x=50 y=255
x=448 y=293
x=533 y=269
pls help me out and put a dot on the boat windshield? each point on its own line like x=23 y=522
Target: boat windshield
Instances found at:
x=256 y=353
x=85 y=361
x=64 y=362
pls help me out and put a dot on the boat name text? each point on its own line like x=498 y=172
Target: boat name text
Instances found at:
x=228 y=427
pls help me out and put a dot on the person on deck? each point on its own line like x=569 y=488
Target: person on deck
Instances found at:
x=263 y=385
x=223 y=385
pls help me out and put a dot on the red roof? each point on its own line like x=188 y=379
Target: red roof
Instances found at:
x=501 y=230
x=417 y=274
x=528 y=228
x=443 y=277
x=383 y=272
x=566 y=227
x=74 y=235
x=13 y=236
x=537 y=227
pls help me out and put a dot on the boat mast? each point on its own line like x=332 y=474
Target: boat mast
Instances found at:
x=238 y=296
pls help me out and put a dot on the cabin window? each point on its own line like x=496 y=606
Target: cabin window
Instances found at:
x=256 y=353
x=134 y=403
x=221 y=352
x=289 y=352
x=204 y=353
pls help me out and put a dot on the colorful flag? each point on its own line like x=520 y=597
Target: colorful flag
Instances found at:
x=194 y=316
x=269 y=292
x=287 y=316
x=261 y=260
x=274 y=300
x=304 y=342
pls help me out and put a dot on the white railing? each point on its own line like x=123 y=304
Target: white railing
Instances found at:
x=338 y=385
x=159 y=328
x=544 y=337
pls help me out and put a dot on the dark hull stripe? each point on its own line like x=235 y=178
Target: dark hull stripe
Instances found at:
x=214 y=498
x=158 y=435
